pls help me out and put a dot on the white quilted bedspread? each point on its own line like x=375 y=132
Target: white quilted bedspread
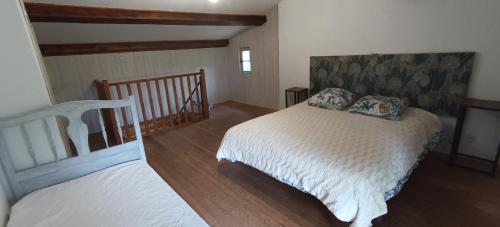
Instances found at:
x=129 y=194
x=348 y=161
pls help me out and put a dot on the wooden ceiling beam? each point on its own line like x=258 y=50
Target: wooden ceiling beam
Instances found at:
x=101 y=48
x=41 y=12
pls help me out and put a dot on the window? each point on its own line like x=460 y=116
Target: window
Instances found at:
x=246 y=64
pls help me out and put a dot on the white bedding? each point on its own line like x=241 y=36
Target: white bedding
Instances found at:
x=348 y=161
x=130 y=194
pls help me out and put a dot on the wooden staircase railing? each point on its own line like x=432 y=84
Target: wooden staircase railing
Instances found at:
x=163 y=102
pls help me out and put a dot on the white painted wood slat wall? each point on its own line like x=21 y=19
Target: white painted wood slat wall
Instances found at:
x=73 y=77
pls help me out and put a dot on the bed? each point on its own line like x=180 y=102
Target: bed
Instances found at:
x=354 y=163
x=113 y=186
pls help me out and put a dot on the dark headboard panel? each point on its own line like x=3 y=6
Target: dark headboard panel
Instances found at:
x=435 y=82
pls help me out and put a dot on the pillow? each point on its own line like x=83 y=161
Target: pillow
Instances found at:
x=389 y=108
x=332 y=98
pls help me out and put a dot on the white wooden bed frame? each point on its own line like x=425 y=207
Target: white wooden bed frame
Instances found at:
x=22 y=182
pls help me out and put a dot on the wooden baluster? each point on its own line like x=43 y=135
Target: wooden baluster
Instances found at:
x=177 y=114
x=124 y=114
x=31 y=151
x=129 y=89
x=158 y=93
x=168 y=102
x=151 y=104
x=198 y=102
x=106 y=89
x=190 y=97
x=103 y=128
x=184 y=100
x=204 y=94
x=50 y=137
x=141 y=100
x=119 y=126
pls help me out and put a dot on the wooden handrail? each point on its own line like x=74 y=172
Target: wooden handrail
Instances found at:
x=151 y=79
x=178 y=94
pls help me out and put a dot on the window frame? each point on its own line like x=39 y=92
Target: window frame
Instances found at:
x=243 y=49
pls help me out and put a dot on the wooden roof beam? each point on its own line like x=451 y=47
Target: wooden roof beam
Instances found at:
x=101 y=48
x=41 y=12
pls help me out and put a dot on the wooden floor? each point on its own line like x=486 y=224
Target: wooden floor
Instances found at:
x=232 y=194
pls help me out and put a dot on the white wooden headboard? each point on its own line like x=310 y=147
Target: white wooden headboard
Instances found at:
x=43 y=173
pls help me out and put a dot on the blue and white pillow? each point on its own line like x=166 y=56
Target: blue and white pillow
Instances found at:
x=390 y=108
x=332 y=98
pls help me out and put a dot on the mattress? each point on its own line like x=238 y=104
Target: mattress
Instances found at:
x=130 y=194
x=348 y=161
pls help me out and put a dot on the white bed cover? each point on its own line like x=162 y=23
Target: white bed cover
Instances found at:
x=130 y=194
x=348 y=161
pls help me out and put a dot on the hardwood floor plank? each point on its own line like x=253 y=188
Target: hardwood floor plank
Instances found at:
x=220 y=195
x=233 y=194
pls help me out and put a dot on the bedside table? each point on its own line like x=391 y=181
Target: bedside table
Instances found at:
x=296 y=95
x=473 y=104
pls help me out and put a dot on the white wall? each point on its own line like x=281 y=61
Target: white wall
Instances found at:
x=22 y=86
x=261 y=88
x=342 y=27
x=20 y=71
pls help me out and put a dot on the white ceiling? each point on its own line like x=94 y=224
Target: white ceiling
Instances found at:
x=61 y=33
x=253 y=7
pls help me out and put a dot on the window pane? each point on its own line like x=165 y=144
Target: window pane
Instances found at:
x=247 y=67
x=245 y=55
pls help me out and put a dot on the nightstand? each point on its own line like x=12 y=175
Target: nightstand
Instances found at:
x=473 y=104
x=296 y=95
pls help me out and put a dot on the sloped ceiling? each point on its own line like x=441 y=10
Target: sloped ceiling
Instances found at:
x=64 y=33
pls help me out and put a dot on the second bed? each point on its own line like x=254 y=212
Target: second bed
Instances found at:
x=352 y=163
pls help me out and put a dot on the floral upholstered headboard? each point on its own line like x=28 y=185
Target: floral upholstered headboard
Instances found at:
x=436 y=82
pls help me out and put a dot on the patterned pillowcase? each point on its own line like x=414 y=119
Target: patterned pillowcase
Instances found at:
x=389 y=108
x=332 y=98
